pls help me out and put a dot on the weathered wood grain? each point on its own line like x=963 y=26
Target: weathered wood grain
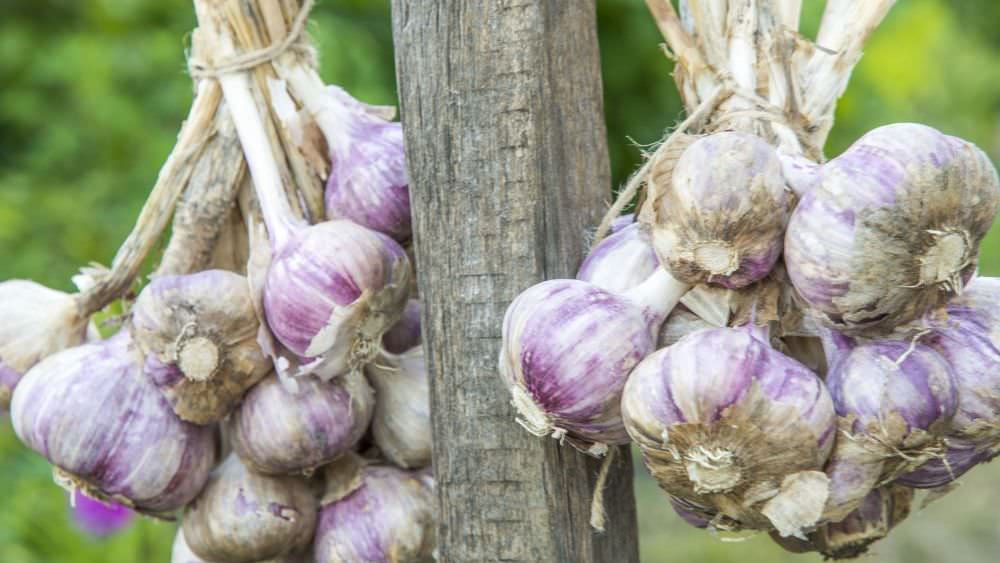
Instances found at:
x=502 y=109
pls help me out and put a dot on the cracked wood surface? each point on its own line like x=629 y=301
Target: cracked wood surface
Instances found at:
x=502 y=109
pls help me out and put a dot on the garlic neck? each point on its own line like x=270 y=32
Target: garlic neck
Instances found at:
x=658 y=295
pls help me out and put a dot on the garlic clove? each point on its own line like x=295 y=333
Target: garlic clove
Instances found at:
x=388 y=518
x=243 y=516
x=278 y=431
x=137 y=453
x=333 y=291
x=37 y=322
x=201 y=350
x=721 y=217
x=401 y=426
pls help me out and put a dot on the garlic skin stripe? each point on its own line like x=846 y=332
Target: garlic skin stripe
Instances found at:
x=893 y=228
x=568 y=347
x=733 y=429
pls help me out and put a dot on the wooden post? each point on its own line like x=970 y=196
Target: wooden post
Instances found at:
x=502 y=109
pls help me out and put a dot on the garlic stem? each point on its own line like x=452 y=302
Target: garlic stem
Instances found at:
x=658 y=295
x=328 y=113
x=264 y=171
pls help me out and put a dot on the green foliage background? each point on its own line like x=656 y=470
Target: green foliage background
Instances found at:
x=92 y=93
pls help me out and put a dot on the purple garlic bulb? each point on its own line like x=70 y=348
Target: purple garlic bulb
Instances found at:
x=621 y=222
x=37 y=322
x=405 y=334
x=620 y=262
x=99 y=518
x=243 y=516
x=278 y=431
x=896 y=401
x=387 y=516
x=726 y=422
x=568 y=347
x=198 y=333
x=970 y=341
x=401 y=425
x=108 y=431
x=368 y=183
x=721 y=217
x=893 y=229
x=332 y=291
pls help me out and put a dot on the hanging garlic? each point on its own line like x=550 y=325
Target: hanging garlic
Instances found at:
x=385 y=516
x=243 y=516
x=36 y=322
x=621 y=261
x=720 y=216
x=198 y=333
x=727 y=423
x=401 y=425
x=108 y=431
x=280 y=431
x=893 y=229
x=568 y=347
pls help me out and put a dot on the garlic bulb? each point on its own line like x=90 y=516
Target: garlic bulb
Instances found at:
x=109 y=432
x=242 y=516
x=893 y=229
x=181 y=552
x=278 y=431
x=199 y=335
x=970 y=341
x=679 y=323
x=388 y=517
x=568 y=347
x=896 y=401
x=726 y=422
x=401 y=426
x=99 y=518
x=37 y=322
x=368 y=183
x=722 y=216
x=405 y=334
x=332 y=291
x=621 y=261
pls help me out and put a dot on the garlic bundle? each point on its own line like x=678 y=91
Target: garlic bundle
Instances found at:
x=384 y=516
x=37 y=322
x=621 y=261
x=893 y=229
x=896 y=401
x=721 y=223
x=727 y=423
x=401 y=425
x=568 y=347
x=108 y=431
x=331 y=292
x=279 y=431
x=368 y=183
x=198 y=333
x=405 y=334
x=242 y=516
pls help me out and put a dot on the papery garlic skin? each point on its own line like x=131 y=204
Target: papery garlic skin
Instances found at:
x=726 y=422
x=621 y=261
x=722 y=218
x=679 y=323
x=368 y=182
x=568 y=347
x=91 y=413
x=199 y=335
x=332 y=291
x=277 y=431
x=893 y=229
x=388 y=519
x=405 y=334
x=401 y=425
x=243 y=516
x=36 y=322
